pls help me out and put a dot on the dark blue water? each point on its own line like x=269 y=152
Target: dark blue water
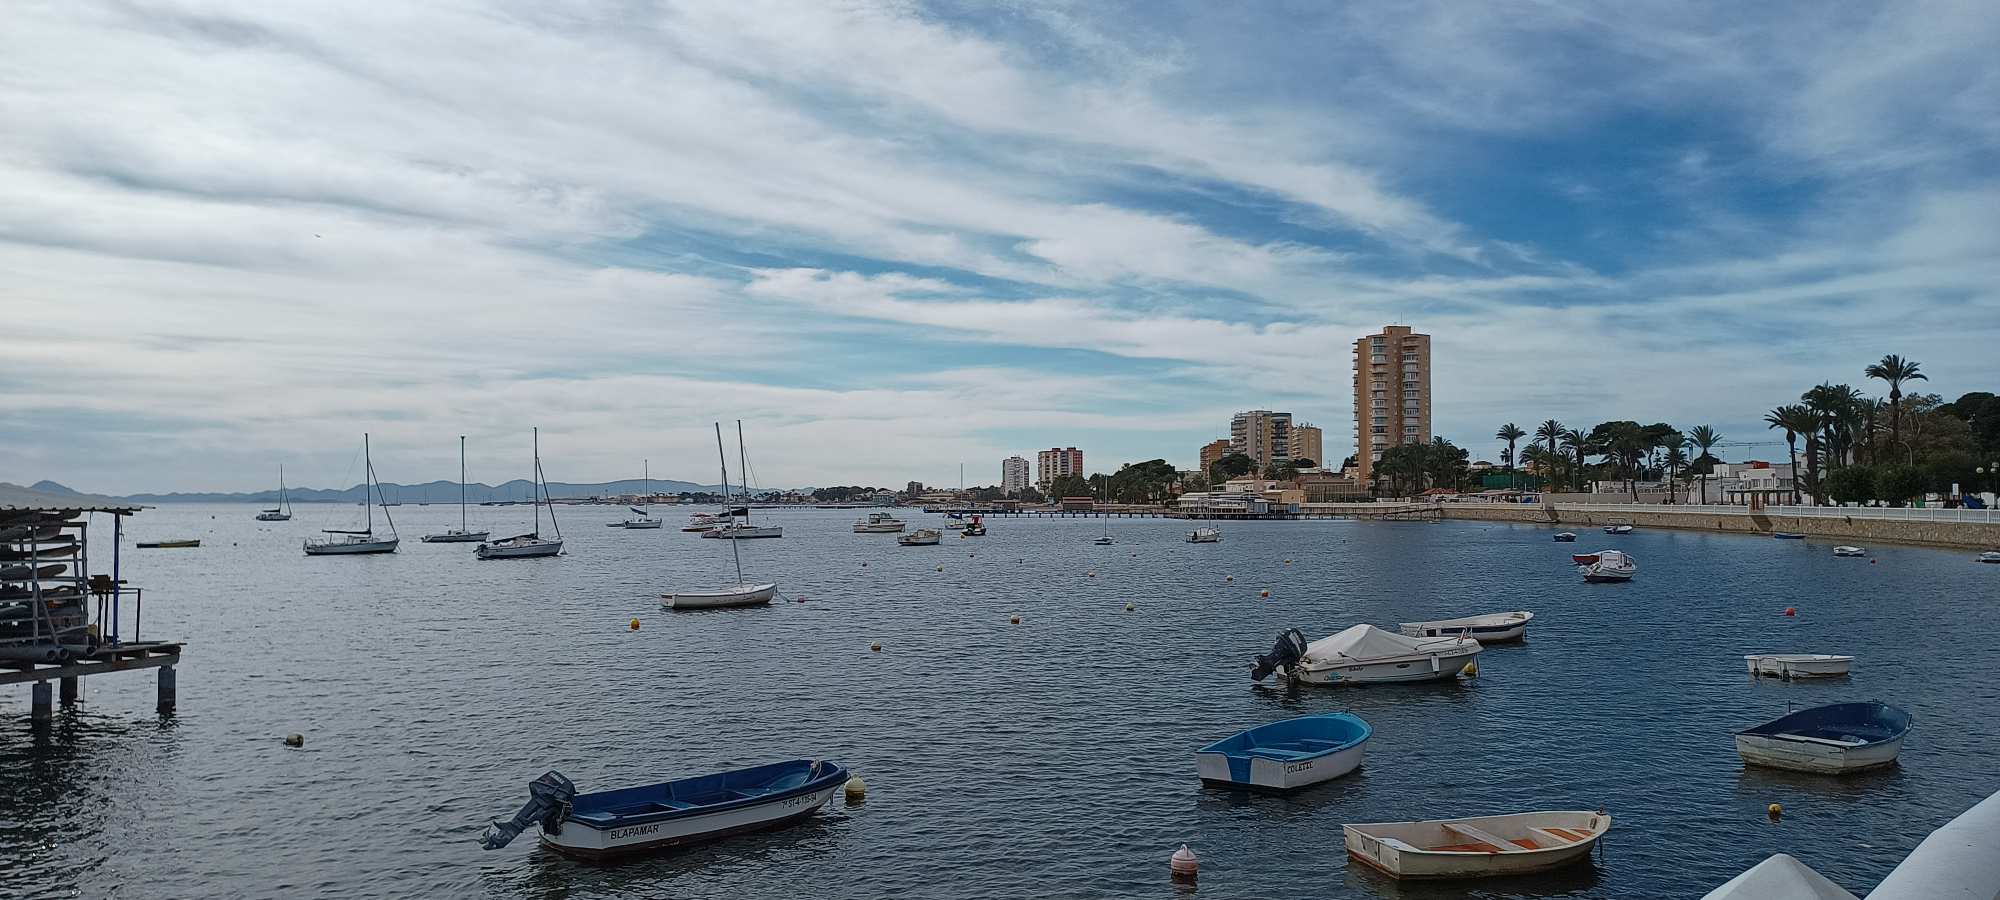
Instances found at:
x=1048 y=759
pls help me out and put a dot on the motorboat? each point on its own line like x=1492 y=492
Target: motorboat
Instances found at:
x=741 y=532
x=1617 y=529
x=1990 y=556
x=1205 y=536
x=1565 y=537
x=1788 y=535
x=1835 y=739
x=1477 y=847
x=283 y=511
x=463 y=534
x=878 y=523
x=531 y=545
x=1611 y=565
x=1492 y=628
x=1781 y=877
x=1103 y=541
x=974 y=528
x=180 y=544
x=1583 y=559
x=922 y=537
x=670 y=813
x=1798 y=665
x=1845 y=550
x=1365 y=654
x=352 y=542
x=720 y=598
x=1285 y=756
x=705 y=522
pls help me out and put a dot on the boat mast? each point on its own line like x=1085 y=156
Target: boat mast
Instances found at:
x=367 y=482
x=743 y=471
x=724 y=459
x=461 y=482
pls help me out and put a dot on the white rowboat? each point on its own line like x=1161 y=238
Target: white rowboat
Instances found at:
x=1849 y=551
x=1798 y=665
x=922 y=537
x=1477 y=847
x=1493 y=628
x=720 y=598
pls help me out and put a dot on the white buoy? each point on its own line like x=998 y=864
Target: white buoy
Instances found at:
x=1183 y=864
x=856 y=789
x=1128 y=607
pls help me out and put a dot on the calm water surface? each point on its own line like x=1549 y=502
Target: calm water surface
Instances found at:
x=1048 y=759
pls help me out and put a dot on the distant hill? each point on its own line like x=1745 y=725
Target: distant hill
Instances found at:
x=433 y=492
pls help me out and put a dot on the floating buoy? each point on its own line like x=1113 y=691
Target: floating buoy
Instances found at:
x=856 y=789
x=1791 y=610
x=1128 y=607
x=864 y=565
x=876 y=648
x=1471 y=670
x=802 y=600
x=1870 y=562
x=635 y=623
x=1014 y=621
x=1183 y=864
x=1288 y=562
x=1775 y=810
x=1264 y=593
x=1090 y=574
x=1228 y=578
x=295 y=740
x=940 y=568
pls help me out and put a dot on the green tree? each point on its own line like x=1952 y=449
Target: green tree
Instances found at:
x=1704 y=438
x=1231 y=466
x=1404 y=465
x=1550 y=432
x=1069 y=486
x=1030 y=494
x=1511 y=433
x=1895 y=370
x=1795 y=420
x=1447 y=464
x=1851 y=484
x=1143 y=482
x=1897 y=483
x=1579 y=446
x=1676 y=460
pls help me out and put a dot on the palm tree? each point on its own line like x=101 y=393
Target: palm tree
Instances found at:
x=1704 y=438
x=1676 y=458
x=1895 y=370
x=1550 y=432
x=1510 y=433
x=1578 y=444
x=1795 y=420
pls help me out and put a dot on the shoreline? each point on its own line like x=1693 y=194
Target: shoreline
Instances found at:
x=1952 y=535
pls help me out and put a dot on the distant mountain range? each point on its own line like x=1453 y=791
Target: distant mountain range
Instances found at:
x=434 y=492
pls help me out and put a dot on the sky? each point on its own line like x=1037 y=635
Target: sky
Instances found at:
x=894 y=238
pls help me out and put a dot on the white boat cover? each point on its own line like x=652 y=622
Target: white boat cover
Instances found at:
x=1366 y=642
x=1959 y=861
x=1779 y=878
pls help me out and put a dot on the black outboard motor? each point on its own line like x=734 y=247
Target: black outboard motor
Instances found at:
x=1290 y=648
x=548 y=802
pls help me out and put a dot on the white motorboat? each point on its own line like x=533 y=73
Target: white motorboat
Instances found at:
x=705 y=522
x=1617 y=529
x=878 y=523
x=1479 y=846
x=1990 y=556
x=1565 y=537
x=348 y=542
x=1492 y=628
x=1835 y=739
x=655 y=817
x=1365 y=654
x=532 y=544
x=1611 y=566
x=1781 y=877
x=722 y=597
x=283 y=511
x=744 y=532
x=922 y=537
x=1798 y=665
x=1204 y=536
x=462 y=534
x=1845 y=550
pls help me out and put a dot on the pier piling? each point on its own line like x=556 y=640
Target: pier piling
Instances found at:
x=44 y=705
x=166 y=689
x=71 y=689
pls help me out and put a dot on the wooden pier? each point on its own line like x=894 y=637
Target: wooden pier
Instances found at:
x=162 y=655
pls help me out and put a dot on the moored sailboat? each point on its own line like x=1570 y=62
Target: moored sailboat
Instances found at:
x=532 y=544
x=283 y=511
x=742 y=593
x=340 y=542
x=461 y=534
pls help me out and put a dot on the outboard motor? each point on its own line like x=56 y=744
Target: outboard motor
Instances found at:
x=548 y=802
x=1290 y=648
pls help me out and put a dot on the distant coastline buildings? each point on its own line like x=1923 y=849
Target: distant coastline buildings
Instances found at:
x=1392 y=393
x=1307 y=443
x=1262 y=435
x=1013 y=475
x=1055 y=463
x=1213 y=452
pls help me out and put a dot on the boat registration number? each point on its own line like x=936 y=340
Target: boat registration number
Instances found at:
x=796 y=802
x=1297 y=767
x=632 y=831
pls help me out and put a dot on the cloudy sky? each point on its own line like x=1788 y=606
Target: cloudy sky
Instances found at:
x=898 y=237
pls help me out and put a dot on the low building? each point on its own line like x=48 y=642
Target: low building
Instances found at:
x=1322 y=486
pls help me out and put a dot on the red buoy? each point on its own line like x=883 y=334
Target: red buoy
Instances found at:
x=1791 y=610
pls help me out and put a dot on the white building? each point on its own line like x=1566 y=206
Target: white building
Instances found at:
x=1013 y=475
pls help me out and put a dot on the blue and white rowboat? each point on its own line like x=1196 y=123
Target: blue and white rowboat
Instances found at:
x=1493 y=628
x=1287 y=755
x=1834 y=739
x=671 y=813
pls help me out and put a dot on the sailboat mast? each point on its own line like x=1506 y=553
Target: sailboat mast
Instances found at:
x=538 y=482
x=367 y=480
x=723 y=458
x=743 y=472
x=461 y=482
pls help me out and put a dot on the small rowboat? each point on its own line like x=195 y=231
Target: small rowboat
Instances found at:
x=166 y=545
x=922 y=537
x=720 y=598
x=1565 y=537
x=671 y=813
x=1583 y=559
x=1798 y=665
x=1849 y=551
x=31 y=573
x=1617 y=529
x=1205 y=536
x=1835 y=739
x=1477 y=847
x=1285 y=756
x=1492 y=628
x=1990 y=556
x=1788 y=535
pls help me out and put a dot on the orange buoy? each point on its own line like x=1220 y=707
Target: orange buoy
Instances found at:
x=1791 y=610
x=875 y=648
x=635 y=623
x=1265 y=593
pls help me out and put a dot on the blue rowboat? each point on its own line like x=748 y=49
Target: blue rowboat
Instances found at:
x=1788 y=535
x=1285 y=756
x=671 y=813
x=1834 y=739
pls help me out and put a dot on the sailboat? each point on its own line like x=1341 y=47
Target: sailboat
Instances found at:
x=743 y=530
x=283 y=511
x=1207 y=534
x=1106 y=541
x=532 y=544
x=461 y=534
x=644 y=520
x=339 y=542
x=739 y=594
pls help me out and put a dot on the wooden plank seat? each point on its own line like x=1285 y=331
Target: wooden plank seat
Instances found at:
x=1481 y=841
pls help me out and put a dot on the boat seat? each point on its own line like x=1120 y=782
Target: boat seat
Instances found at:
x=1844 y=741
x=1276 y=753
x=1477 y=836
x=1547 y=838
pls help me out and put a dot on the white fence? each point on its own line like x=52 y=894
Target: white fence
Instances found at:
x=1907 y=514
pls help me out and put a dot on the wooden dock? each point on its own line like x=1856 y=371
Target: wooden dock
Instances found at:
x=162 y=655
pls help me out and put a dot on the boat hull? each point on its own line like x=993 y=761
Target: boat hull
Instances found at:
x=748 y=595
x=273 y=517
x=1494 y=629
x=353 y=548
x=457 y=537
x=920 y=542
x=1285 y=756
x=1818 y=757
x=1798 y=665
x=743 y=534
x=1440 y=666
x=878 y=529
x=519 y=551
x=586 y=841
x=1401 y=859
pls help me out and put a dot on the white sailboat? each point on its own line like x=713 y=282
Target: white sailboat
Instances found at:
x=1207 y=534
x=283 y=511
x=742 y=593
x=461 y=534
x=644 y=519
x=1105 y=541
x=532 y=544
x=743 y=530
x=340 y=542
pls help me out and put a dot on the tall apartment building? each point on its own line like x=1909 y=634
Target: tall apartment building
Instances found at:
x=1306 y=443
x=1262 y=435
x=1392 y=393
x=1213 y=451
x=1013 y=475
x=1056 y=462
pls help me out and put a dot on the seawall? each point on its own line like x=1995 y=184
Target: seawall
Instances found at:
x=1968 y=535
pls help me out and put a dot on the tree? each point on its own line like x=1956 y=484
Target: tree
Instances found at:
x=1851 y=484
x=1549 y=432
x=1704 y=438
x=1897 y=483
x=1510 y=433
x=1030 y=494
x=1305 y=463
x=1143 y=482
x=1404 y=465
x=1676 y=459
x=1069 y=486
x=1895 y=370
x=1446 y=463
x=1578 y=444
x=1231 y=466
x=1794 y=420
